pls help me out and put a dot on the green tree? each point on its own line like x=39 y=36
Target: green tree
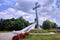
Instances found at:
x=48 y=25
x=1 y=24
x=13 y=24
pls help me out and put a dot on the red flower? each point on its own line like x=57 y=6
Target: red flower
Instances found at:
x=26 y=33
x=15 y=37
x=21 y=35
x=18 y=36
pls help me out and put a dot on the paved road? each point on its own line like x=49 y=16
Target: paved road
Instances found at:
x=6 y=36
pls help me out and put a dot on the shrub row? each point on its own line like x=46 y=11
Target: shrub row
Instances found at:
x=43 y=31
x=52 y=31
x=38 y=31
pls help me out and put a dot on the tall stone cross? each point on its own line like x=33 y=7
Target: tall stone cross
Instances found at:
x=36 y=20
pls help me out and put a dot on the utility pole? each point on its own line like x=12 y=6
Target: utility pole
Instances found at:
x=36 y=20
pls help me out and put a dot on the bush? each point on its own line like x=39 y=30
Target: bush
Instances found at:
x=52 y=31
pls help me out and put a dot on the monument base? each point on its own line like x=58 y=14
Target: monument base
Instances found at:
x=38 y=27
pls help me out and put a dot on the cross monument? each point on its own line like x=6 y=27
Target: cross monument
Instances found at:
x=36 y=20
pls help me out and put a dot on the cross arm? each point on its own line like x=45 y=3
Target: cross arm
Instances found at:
x=36 y=7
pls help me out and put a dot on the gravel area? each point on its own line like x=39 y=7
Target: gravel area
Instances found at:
x=6 y=36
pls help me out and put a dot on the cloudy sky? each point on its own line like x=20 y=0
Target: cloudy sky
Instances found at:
x=49 y=9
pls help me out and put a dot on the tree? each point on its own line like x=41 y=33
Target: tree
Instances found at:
x=19 y=23
x=54 y=25
x=13 y=24
x=1 y=25
x=48 y=25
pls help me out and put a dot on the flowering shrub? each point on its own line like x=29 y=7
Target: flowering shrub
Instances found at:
x=26 y=33
x=20 y=36
x=15 y=37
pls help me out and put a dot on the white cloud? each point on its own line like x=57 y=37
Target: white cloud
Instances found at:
x=47 y=9
x=17 y=4
x=2 y=13
x=42 y=2
x=11 y=10
x=29 y=17
x=8 y=16
x=12 y=13
x=21 y=13
x=53 y=20
x=42 y=18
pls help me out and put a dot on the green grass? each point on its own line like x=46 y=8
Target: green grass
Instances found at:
x=43 y=37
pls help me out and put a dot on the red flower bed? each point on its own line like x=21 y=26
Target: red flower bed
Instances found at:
x=20 y=36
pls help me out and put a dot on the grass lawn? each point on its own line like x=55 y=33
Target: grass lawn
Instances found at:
x=43 y=37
